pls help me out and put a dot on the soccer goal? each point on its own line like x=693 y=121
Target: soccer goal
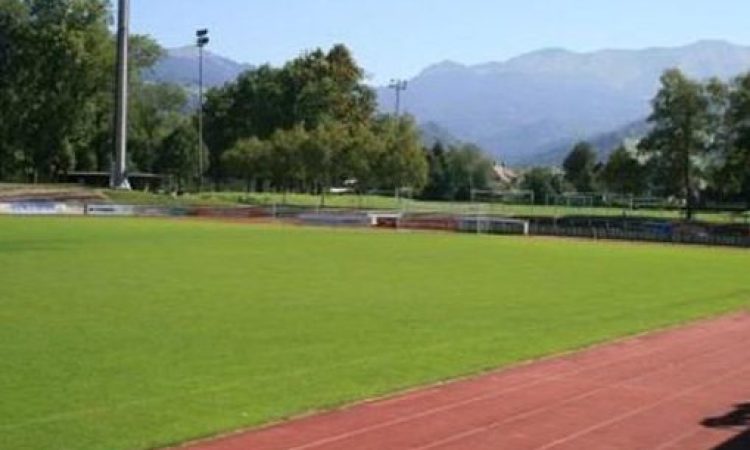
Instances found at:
x=486 y=224
x=503 y=197
x=511 y=203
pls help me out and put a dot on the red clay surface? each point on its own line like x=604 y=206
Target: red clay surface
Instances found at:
x=676 y=390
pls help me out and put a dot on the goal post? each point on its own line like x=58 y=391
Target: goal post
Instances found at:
x=514 y=197
x=488 y=224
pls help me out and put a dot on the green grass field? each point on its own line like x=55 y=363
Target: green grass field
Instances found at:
x=133 y=334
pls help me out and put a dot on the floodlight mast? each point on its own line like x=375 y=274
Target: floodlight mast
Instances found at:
x=202 y=40
x=399 y=86
x=119 y=179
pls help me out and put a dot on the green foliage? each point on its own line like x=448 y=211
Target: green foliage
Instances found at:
x=155 y=111
x=314 y=89
x=111 y=341
x=52 y=73
x=56 y=85
x=249 y=159
x=327 y=87
x=286 y=163
x=579 y=167
x=624 y=174
x=438 y=182
x=403 y=162
x=734 y=171
x=697 y=150
x=544 y=183
x=384 y=155
x=468 y=169
x=680 y=135
x=456 y=171
x=178 y=155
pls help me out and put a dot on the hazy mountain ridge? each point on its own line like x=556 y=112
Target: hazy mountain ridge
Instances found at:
x=528 y=109
x=605 y=144
x=432 y=133
x=180 y=66
x=535 y=103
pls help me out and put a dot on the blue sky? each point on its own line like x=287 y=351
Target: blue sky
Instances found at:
x=392 y=38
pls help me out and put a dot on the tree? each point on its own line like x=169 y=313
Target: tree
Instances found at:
x=543 y=182
x=679 y=135
x=57 y=58
x=248 y=159
x=55 y=54
x=359 y=160
x=468 y=169
x=734 y=170
x=402 y=163
x=328 y=86
x=178 y=154
x=439 y=186
x=12 y=15
x=579 y=167
x=156 y=110
x=311 y=90
x=325 y=156
x=286 y=163
x=624 y=174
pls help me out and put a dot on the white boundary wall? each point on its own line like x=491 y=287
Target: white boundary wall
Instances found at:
x=40 y=209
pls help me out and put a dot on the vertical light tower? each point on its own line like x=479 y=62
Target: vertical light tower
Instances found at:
x=119 y=178
x=399 y=86
x=202 y=40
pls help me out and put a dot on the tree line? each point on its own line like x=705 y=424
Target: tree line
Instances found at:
x=57 y=65
x=697 y=149
x=306 y=126
x=312 y=124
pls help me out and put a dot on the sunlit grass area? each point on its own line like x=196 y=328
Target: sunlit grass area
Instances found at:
x=133 y=334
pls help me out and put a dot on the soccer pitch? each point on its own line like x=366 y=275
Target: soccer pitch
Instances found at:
x=134 y=334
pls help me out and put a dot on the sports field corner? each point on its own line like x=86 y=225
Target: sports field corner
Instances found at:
x=677 y=389
x=135 y=333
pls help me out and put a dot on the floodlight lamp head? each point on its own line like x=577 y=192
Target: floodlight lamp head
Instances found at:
x=202 y=32
x=203 y=41
x=398 y=84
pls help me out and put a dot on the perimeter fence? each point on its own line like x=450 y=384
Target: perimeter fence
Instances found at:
x=476 y=219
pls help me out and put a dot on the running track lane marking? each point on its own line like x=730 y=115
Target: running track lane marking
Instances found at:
x=673 y=338
x=520 y=387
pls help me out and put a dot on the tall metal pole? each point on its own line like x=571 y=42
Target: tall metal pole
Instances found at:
x=200 y=119
x=399 y=86
x=398 y=101
x=202 y=40
x=119 y=178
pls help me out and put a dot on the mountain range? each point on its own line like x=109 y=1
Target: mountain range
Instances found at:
x=532 y=108
x=180 y=66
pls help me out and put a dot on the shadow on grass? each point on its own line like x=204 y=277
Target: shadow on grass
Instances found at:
x=738 y=419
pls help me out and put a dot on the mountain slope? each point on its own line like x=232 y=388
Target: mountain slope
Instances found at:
x=432 y=133
x=180 y=66
x=531 y=104
x=604 y=143
x=529 y=109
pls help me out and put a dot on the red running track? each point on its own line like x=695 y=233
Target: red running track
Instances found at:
x=674 y=390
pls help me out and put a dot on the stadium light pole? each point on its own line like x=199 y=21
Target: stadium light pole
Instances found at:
x=202 y=40
x=399 y=86
x=119 y=178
